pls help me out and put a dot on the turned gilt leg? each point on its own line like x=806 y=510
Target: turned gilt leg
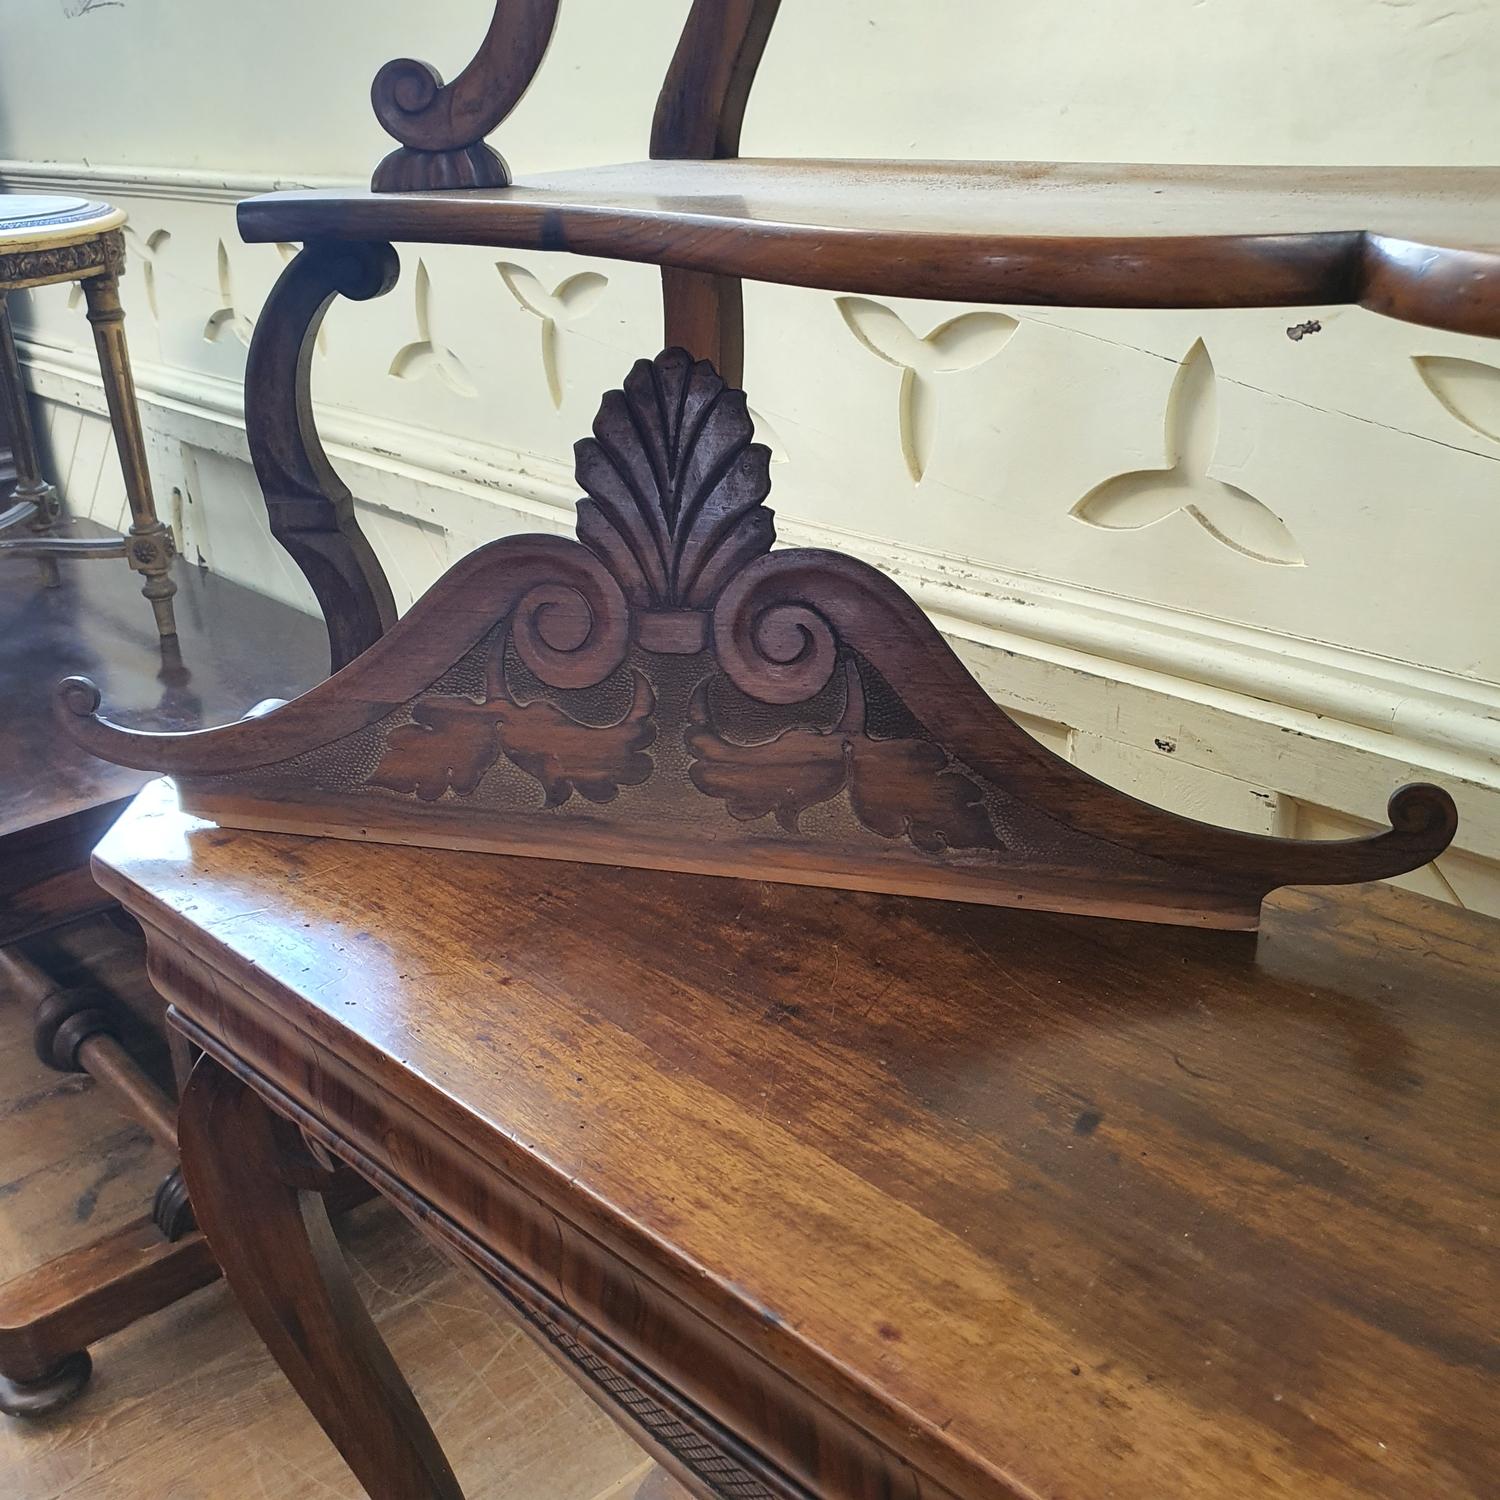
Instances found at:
x=248 y=1171
x=150 y=541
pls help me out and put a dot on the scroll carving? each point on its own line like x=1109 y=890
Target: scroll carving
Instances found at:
x=668 y=691
x=442 y=126
x=310 y=509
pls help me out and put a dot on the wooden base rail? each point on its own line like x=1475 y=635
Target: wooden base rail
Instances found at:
x=51 y=1314
x=75 y=1033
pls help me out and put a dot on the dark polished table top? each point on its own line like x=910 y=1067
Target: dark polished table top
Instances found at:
x=1050 y=1205
x=236 y=647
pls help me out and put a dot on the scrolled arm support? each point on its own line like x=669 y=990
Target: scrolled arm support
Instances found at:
x=442 y=126
x=310 y=508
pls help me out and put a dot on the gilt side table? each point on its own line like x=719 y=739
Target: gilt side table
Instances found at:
x=45 y=240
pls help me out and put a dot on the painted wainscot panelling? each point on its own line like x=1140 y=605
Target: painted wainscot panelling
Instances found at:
x=1239 y=563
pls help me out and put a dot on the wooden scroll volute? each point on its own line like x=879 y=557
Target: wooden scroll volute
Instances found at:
x=442 y=126
x=669 y=692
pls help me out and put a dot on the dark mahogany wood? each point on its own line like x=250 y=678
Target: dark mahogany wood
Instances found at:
x=699 y=114
x=50 y=1315
x=668 y=692
x=44 y=869
x=845 y=1195
x=1421 y=244
x=310 y=509
x=702 y=103
x=235 y=648
x=57 y=802
x=271 y=1234
x=705 y=314
x=441 y=126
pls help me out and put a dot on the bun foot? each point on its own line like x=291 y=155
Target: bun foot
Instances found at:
x=35 y=1398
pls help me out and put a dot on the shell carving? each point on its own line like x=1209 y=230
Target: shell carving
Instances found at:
x=729 y=747
x=676 y=482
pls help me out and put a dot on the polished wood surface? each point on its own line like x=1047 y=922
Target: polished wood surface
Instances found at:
x=50 y=1314
x=309 y=508
x=262 y=1228
x=189 y=1405
x=442 y=126
x=540 y=698
x=701 y=107
x=1421 y=244
x=236 y=647
x=1016 y=1204
x=55 y=803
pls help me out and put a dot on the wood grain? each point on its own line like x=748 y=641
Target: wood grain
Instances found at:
x=1007 y=1203
x=702 y=103
x=669 y=692
x=310 y=509
x=1421 y=244
x=283 y=1263
x=441 y=126
x=62 y=1306
x=189 y=1404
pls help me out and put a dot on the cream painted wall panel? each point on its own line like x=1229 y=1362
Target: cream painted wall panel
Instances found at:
x=280 y=86
x=1365 y=451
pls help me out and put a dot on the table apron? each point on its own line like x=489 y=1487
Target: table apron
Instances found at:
x=681 y=1382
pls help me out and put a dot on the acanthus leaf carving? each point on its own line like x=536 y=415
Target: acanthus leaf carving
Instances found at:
x=449 y=745
x=675 y=483
x=453 y=741
x=567 y=756
x=786 y=775
x=897 y=787
x=673 y=598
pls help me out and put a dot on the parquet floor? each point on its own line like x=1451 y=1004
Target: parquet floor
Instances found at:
x=187 y=1405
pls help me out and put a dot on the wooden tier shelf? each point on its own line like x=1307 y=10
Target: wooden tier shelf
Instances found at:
x=1421 y=244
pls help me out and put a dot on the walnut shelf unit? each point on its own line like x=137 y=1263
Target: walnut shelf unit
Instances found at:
x=830 y=1193
x=1421 y=244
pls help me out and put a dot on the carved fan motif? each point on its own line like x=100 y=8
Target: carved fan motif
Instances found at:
x=686 y=698
x=676 y=484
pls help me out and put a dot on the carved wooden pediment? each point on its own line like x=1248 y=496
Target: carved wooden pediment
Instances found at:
x=667 y=691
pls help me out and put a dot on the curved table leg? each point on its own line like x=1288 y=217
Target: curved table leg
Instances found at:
x=279 y=1255
x=310 y=508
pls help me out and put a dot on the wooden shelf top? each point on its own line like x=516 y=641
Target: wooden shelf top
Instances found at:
x=1421 y=244
x=1060 y=1205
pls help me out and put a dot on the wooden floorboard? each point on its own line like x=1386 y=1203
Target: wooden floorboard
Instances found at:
x=187 y=1405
